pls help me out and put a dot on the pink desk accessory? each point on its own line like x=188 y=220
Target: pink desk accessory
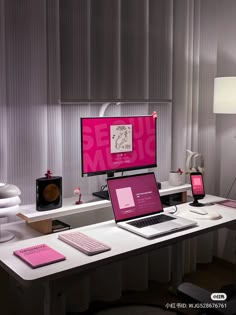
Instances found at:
x=39 y=255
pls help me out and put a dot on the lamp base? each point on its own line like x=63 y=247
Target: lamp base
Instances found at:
x=6 y=236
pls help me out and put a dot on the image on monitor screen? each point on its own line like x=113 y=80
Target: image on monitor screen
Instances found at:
x=117 y=144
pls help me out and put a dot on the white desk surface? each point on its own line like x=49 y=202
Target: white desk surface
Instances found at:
x=21 y=230
x=29 y=213
x=123 y=243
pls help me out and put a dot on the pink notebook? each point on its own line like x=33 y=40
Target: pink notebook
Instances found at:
x=39 y=255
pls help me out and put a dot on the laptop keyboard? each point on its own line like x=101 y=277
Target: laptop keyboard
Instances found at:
x=150 y=221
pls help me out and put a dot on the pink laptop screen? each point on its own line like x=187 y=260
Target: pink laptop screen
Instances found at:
x=134 y=196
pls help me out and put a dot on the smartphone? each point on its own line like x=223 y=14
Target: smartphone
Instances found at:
x=197 y=183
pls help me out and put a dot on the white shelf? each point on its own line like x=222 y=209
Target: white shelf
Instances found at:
x=167 y=189
x=30 y=214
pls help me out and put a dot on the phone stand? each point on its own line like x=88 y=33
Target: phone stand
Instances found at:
x=195 y=203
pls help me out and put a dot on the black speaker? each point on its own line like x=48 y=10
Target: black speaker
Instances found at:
x=48 y=193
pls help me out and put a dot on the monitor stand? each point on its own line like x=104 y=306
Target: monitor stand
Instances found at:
x=195 y=203
x=103 y=194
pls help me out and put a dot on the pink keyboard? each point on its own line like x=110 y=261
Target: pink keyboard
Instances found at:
x=84 y=243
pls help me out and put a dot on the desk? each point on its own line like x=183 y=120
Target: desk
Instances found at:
x=123 y=243
x=42 y=220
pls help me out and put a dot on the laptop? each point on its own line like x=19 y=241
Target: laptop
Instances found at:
x=137 y=206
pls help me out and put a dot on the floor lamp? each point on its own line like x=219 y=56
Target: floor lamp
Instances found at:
x=225 y=101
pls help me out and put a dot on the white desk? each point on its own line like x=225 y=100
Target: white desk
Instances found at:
x=42 y=220
x=124 y=244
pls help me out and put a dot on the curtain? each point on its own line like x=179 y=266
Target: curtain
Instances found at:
x=195 y=52
x=37 y=132
x=204 y=47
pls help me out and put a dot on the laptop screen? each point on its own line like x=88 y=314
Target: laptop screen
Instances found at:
x=134 y=196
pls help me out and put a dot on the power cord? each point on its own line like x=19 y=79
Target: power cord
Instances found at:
x=173 y=211
x=103 y=187
x=231 y=188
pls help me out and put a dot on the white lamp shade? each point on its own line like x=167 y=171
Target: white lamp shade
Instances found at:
x=225 y=95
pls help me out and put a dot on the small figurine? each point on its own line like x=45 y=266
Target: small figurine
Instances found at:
x=154 y=115
x=48 y=175
x=77 y=191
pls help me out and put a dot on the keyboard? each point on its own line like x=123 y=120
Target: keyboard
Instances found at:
x=84 y=243
x=150 y=221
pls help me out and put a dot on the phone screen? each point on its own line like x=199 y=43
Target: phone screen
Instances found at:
x=197 y=184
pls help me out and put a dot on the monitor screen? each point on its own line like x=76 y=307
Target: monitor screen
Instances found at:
x=117 y=144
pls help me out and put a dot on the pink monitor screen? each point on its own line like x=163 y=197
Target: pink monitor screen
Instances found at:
x=116 y=144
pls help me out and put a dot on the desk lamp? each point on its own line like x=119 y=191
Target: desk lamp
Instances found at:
x=9 y=202
x=225 y=100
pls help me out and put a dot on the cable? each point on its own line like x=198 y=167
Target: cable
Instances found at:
x=231 y=188
x=103 y=187
x=173 y=211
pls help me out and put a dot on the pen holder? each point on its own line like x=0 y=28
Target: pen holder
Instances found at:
x=175 y=179
x=48 y=193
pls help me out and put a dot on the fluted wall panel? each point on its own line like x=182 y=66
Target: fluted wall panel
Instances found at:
x=54 y=115
x=116 y=50
x=104 y=50
x=37 y=131
x=71 y=146
x=164 y=138
x=3 y=109
x=75 y=48
x=133 y=49
x=226 y=131
x=160 y=49
x=206 y=118
x=26 y=93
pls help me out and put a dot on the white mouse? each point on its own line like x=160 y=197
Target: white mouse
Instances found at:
x=198 y=210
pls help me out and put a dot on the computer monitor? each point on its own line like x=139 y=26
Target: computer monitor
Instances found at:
x=117 y=144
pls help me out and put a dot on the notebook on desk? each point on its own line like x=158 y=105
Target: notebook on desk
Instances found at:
x=39 y=255
x=137 y=206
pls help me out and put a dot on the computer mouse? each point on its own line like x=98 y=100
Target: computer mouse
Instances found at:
x=208 y=214
x=201 y=211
